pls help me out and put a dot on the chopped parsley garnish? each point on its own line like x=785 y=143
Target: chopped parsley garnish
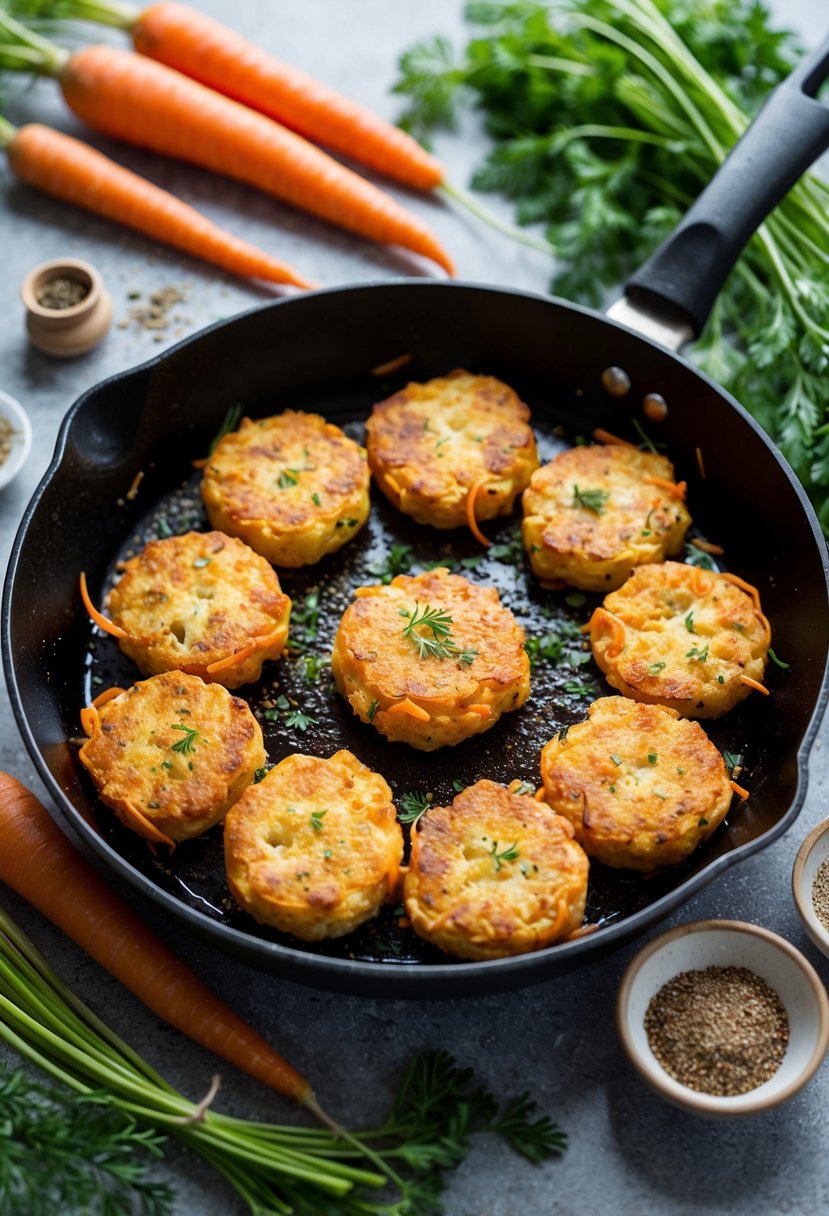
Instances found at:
x=703 y=822
x=575 y=599
x=508 y=854
x=438 y=643
x=315 y=499
x=733 y=762
x=231 y=421
x=458 y=786
x=186 y=745
x=698 y=557
x=201 y=562
x=259 y=774
x=314 y=665
x=411 y=805
x=617 y=760
x=300 y=720
x=652 y=757
x=524 y=787
x=163 y=528
x=591 y=500
x=397 y=561
x=689 y=623
x=655 y=668
x=698 y=653
x=512 y=552
x=372 y=710
x=288 y=477
x=575 y=689
x=778 y=662
x=316 y=820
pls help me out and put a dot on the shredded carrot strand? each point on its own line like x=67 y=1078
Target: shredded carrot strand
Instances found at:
x=677 y=489
x=582 y=931
x=109 y=694
x=700 y=463
x=144 y=827
x=136 y=482
x=393 y=365
x=708 y=547
x=100 y=620
x=238 y=657
x=413 y=711
x=603 y=436
x=603 y=619
x=471 y=498
x=483 y=711
x=749 y=588
x=89 y=720
x=756 y=685
x=738 y=789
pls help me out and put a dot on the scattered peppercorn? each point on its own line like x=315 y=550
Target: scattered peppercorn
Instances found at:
x=720 y=1031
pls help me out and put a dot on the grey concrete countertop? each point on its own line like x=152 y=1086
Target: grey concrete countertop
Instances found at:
x=629 y=1154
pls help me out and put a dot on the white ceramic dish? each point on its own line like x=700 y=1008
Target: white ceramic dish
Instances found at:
x=811 y=854
x=21 y=438
x=724 y=943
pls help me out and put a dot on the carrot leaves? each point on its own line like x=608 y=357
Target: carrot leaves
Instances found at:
x=63 y=1153
x=607 y=118
x=111 y=1091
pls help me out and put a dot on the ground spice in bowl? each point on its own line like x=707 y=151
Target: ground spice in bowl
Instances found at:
x=62 y=292
x=721 y=1031
x=820 y=893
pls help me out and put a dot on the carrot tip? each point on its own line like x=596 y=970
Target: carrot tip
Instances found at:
x=310 y=1103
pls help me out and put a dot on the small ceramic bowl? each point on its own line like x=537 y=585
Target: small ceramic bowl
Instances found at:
x=66 y=332
x=21 y=438
x=810 y=856
x=727 y=943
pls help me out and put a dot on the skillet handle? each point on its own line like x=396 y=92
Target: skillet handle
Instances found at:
x=682 y=278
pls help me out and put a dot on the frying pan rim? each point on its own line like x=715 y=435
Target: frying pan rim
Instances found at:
x=410 y=979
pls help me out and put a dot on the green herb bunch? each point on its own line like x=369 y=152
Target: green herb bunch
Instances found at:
x=608 y=117
x=81 y=1146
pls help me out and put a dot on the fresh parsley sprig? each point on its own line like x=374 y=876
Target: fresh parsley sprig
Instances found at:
x=437 y=643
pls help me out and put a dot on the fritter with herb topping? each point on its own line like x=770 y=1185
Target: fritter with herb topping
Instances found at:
x=594 y=513
x=171 y=754
x=315 y=848
x=293 y=486
x=430 y=660
x=681 y=636
x=203 y=603
x=641 y=786
x=432 y=444
x=495 y=873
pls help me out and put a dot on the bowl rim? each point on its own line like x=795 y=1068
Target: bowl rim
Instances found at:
x=813 y=926
x=11 y=409
x=712 y=1104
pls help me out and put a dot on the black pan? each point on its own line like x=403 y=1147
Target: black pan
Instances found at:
x=317 y=352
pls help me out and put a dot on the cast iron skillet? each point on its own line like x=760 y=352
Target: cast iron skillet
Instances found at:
x=317 y=352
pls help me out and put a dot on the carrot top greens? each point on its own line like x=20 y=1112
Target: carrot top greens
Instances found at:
x=607 y=118
x=107 y=1092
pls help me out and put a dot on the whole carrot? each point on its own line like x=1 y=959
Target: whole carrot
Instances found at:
x=73 y=172
x=152 y=106
x=209 y=51
x=38 y=862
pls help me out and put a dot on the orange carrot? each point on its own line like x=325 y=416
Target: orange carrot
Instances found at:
x=152 y=106
x=70 y=170
x=38 y=861
x=472 y=523
x=203 y=48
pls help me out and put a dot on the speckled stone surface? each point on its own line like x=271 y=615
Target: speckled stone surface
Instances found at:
x=630 y=1154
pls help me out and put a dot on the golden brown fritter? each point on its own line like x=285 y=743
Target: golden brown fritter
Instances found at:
x=431 y=443
x=315 y=848
x=430 y=659
x=641 y=786
x=203 y=603
x=684 y=637
x=294 y=487
x=494 y=874
x=171 y=754
x=594 y=513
